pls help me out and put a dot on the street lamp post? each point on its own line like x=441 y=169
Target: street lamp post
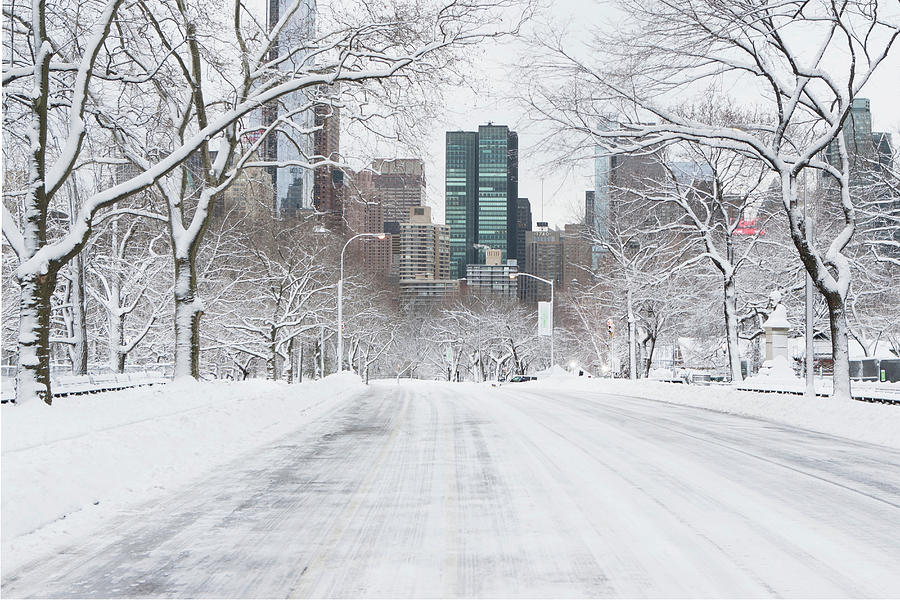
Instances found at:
x=340 y=302
x=552 y=323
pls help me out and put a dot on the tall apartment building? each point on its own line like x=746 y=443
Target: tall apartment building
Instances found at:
x=482 y=184
x=396 y=184
x=424 y=247
x=600 y=200
x=590 y=212
x=423 y=261
x=495 y=277
x=544 y=257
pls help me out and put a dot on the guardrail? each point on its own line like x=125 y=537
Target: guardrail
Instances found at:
x=865 y=391
x=868 y=393
x=72 y=385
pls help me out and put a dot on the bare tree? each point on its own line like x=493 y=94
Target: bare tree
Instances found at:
x=806 y=61
x=716 y=204
x=168 y=82
x=123 y=277
x=286 y=289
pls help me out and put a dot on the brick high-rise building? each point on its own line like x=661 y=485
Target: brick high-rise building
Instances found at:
x=543 y=257
x=577 y=256
x=328 y=187
x=365 y=216
x=398 y=183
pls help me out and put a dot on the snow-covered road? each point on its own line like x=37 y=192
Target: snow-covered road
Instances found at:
x=430 y=489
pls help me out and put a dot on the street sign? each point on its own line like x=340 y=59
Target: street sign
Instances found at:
x=545 y=318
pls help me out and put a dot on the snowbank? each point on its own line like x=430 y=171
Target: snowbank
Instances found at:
x=86 y=455
x=554 y=372
x=862 y=421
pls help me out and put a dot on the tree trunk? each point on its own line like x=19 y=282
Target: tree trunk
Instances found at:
x=839 y=347
x=515 y=357
x=833 y=288
x=79 y=351
x=300 y=364
x=33 y=376
x=351 y=356
x=272 y=362
x=289 y=363
x=188 y=310
x=651 y=342
x=321 y=352
x=115 y=319
x=116 y=340
x=317 y=368
x=731 y=329
x=632 y=342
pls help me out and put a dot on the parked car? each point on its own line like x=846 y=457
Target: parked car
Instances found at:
x=519 y=378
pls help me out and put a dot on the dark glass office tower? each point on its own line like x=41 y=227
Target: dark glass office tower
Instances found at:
x=461 y=198
x=482 y=185
x=523 y=224
x=512 y=197
x=493 y=186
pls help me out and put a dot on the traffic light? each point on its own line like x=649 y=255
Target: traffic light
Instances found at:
x=609 y=327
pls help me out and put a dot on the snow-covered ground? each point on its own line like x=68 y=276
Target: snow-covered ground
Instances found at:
x=66 y=467
x=558 y=488
x=862 y=421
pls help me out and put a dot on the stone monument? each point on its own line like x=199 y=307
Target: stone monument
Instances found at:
x=777 y=365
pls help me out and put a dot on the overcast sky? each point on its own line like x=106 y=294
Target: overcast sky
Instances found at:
x=496 y=79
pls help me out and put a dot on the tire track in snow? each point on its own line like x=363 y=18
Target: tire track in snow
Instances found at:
x=657 y=453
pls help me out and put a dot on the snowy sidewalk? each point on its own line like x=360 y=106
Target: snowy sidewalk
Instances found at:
x=67 y=466
x=861 y=421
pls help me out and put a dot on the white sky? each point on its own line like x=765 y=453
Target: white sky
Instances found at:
x=496 y=79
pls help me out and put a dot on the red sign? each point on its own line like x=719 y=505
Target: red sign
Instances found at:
x=253 y=135
x=748 y=227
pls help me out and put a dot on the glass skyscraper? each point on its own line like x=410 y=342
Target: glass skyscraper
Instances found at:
x=293 y=184
x=481 y=192
x=461 y=197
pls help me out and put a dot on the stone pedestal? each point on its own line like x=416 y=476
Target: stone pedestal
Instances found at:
x=777 y=327
x=777 y=366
